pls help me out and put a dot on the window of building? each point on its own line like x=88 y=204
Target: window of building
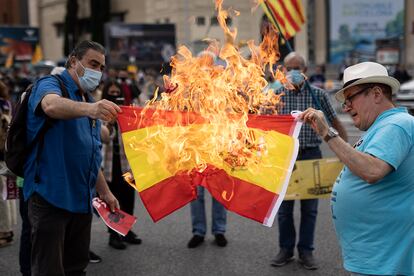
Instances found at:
x=5 y=18
x=117 y=16
x=200 y=21
x=213 y=21
x=59 y=29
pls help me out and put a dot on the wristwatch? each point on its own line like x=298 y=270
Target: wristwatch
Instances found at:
x=332 y=133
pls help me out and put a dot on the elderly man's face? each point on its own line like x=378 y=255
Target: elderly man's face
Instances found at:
x=359 y=104
x=294 y=64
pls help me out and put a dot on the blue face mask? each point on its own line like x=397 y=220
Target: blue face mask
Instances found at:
x=90 y=79
x=295 y=77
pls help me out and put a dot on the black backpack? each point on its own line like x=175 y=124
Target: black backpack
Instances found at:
x=17 y=149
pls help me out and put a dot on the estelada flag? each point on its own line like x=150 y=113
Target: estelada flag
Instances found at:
x=289 y=15
x=253 y=193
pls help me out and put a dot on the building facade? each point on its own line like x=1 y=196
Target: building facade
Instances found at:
x=195 y=20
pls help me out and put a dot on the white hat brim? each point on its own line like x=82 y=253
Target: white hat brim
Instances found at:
x=390 y=81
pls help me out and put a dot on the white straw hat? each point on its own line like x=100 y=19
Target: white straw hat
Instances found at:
x=366 y=72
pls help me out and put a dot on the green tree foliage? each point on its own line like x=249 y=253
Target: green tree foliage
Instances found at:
x=344 y=33
x=396 y=26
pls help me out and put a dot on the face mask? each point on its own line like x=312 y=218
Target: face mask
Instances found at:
x=295 y=77
x=90 y=79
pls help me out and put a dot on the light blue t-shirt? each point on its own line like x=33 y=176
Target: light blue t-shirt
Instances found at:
x=375 y=222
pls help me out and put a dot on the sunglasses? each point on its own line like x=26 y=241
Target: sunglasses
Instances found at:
x=348 y=101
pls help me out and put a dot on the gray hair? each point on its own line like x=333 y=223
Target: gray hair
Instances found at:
x=295 y=55
x=82 y=47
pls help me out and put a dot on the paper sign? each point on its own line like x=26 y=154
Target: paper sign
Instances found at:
x=10 y=189
x=313 y=178
x=119 y=221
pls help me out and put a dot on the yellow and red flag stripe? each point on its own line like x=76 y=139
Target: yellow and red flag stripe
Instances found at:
x=255 y=193
x=288 y=13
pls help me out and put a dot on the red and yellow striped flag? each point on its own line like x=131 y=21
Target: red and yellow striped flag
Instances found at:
x=288 y=13
x=255 y=192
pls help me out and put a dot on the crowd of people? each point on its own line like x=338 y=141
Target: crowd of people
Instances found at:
x=371 y=201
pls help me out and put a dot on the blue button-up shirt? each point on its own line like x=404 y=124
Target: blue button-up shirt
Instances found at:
x=70 y=158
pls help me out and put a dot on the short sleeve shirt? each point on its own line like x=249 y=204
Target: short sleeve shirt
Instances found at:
x=375 y=222
x=69 y=161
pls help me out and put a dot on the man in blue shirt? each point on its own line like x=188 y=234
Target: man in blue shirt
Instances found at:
x=63 y=173
x=372 y=200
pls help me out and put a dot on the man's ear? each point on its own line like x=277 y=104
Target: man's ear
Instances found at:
x=378 y=94
x=72 y=62
x=305 y=69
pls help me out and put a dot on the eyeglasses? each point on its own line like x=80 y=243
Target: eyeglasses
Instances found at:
x=348 y=101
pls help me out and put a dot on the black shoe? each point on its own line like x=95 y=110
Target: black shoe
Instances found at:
x=115 y=241
x=132 y=238
x=283 y=257
x=220 y=240
x=195 y=241
x=93 y=258
x=307 y=260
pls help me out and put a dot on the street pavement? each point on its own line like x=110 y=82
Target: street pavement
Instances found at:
x=164 y=249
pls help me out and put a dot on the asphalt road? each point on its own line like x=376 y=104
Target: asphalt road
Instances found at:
x=163 y=251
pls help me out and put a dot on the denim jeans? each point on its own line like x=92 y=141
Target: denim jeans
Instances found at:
x=198 y=215
x=308 y=213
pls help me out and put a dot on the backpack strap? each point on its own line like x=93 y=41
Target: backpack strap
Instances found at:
x=49 y=122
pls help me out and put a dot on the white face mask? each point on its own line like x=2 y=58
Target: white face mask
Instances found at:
x=90 y=79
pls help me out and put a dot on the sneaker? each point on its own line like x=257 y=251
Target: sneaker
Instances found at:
x=282 y=258
x=220 y=240
x=116 y=241
x=93 y=258
x=195 y=241
x=307 y=260
x=132 y=238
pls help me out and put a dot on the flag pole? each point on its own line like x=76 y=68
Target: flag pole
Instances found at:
x=290 y=49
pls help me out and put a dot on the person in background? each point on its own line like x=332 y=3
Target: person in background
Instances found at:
x=318 y=78
x=199 y=221
x=198 y=212
x=300 y=98
x=115 y=165
x=129 y=87
x=372 y=198
x=401 y=73
x=7 y=207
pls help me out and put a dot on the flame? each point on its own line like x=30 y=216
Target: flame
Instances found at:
x=223 y=95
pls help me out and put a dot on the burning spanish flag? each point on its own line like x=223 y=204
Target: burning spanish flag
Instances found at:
x=205 y=129
x=166 y=178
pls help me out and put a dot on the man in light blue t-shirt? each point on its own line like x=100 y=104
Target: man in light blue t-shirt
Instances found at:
x=373 y=197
